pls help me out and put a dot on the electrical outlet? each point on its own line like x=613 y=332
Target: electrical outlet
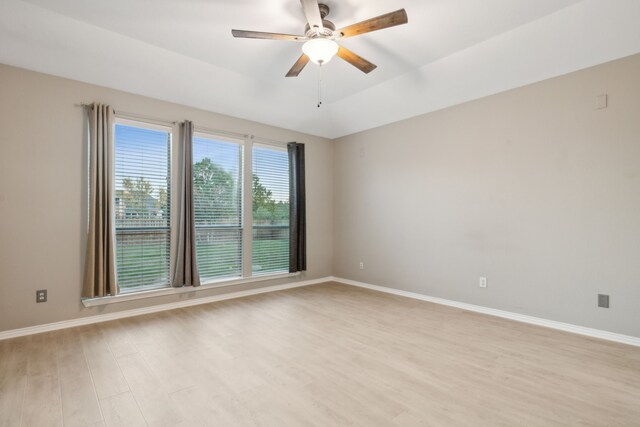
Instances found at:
x=361 y=265
x=603 y=301
x=41 y=295
x=482 y=282
x=602 y=102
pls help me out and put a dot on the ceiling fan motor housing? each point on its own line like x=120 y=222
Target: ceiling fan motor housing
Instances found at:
x=328 y=26
x=327 y=30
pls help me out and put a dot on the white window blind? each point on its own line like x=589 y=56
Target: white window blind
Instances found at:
x=142 y=205
x=270 y=186
x=217 y=199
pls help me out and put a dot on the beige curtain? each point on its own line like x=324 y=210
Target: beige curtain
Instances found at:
x=186 y=271
x=99 y=273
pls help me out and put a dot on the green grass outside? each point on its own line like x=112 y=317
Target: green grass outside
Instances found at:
x=270 y=256
x=143 y=265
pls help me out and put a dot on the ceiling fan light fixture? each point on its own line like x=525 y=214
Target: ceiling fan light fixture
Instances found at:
x=320 y=50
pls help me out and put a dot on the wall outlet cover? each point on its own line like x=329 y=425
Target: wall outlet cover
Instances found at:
x=41 y=295
x=602 y=102
x=603 y=300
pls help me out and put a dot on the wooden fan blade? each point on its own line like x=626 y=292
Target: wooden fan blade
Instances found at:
x=298 y=66
x=269 y=36
x=356 y=60
x=312 y=13
x=392 y=19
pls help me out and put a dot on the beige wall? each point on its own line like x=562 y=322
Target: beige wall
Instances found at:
x=533 y=188
x=43 y=193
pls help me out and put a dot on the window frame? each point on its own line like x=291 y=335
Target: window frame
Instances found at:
x=170 y=129
x=248 y=207
x=275 y=147
x=241 y=142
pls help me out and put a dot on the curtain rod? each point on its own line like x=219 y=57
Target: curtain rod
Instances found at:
x=133 y=116
x=220 y=132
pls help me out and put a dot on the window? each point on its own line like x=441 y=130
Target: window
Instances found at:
x=270 y=191
x=142 y=205
x=241 y=207
x=217 y=199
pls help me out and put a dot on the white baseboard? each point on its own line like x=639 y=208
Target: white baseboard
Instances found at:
x=13 y=333
x=567 y=327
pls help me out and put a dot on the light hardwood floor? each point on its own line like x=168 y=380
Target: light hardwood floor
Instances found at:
x=325 y=355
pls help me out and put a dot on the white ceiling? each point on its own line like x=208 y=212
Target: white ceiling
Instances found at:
x=451 y=51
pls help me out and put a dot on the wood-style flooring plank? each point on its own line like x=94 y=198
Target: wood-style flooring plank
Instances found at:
x=13 y=380
x=121 y=410
x=153 y=400
x=105 y=372
x=42 y=404
x=80 y=405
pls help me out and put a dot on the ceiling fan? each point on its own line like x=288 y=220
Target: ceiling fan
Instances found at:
x=320 y=36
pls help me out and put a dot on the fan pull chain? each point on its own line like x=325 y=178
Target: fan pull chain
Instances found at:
x=320 y=85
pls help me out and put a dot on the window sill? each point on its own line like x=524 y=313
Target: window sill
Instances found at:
x=93 y=302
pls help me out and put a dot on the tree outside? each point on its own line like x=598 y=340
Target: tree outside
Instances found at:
x=265 y=209
x=138 y=202
x=218 y=201
x=214 y=192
